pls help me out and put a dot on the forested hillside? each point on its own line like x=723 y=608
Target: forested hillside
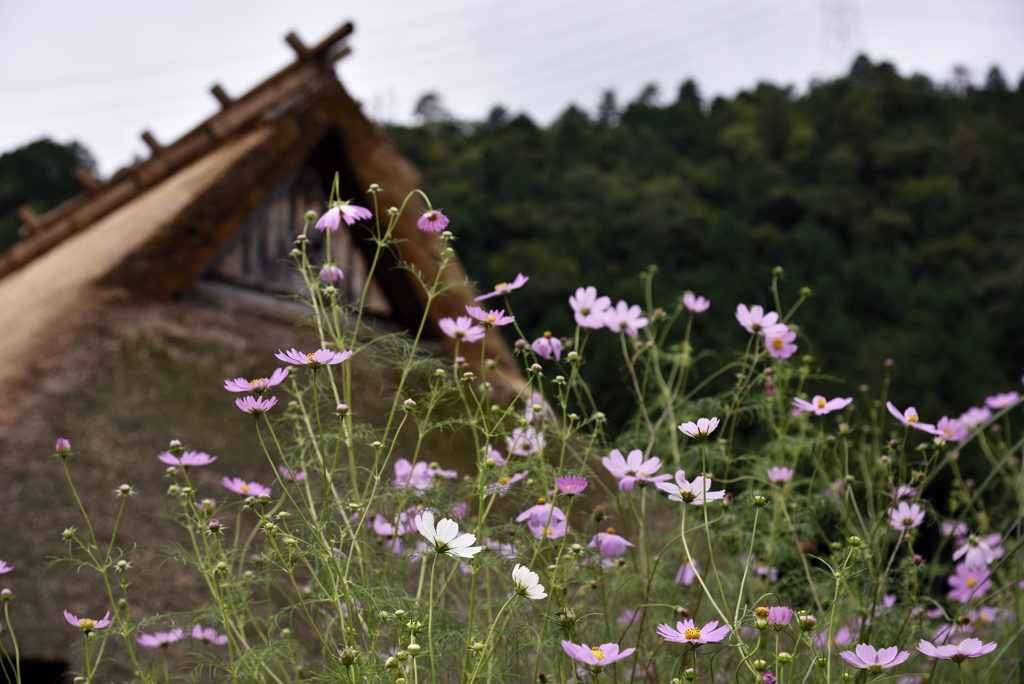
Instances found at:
x=899 y=201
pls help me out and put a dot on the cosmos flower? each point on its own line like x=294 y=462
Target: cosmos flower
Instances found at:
x=754 y=319
x=492 y=317
x=503 y=483
x=544 y=520
x=187 y=458
x=571 y=485
x=321 y=357
x=779 y=616
x=588 y=308
x=87 y=624
x=419 y=476
x=975 y=416
x=869 y=658
x=525 y=441
x=625 y=318
x=503 y=288
x=968 y=648
x=62 y=446
x=240 y=486
x=633 y=468
x=695 y=303
x=527 y=583
x=820 y=406
x=978 y=551
x=968 y=583
x=331 y=274
x=951 y=429
x=697 y=492
x=910 y=418
x=160 y=638
x=432 y=221
x=778 y=340
x=699 y=430
x=596 y=656
x=903 y=492
x=208 y=635
x=445 y=536
x=349 y=213
x=906 y=516
x=610 y=544
x=5 y=568
x=687 y=632
x=257 y=384
x=291 y=475
x=547 y=346
x=462 y=329
x=255 y=405
x=687 y=573
x=779 y=475
x=1001 y=400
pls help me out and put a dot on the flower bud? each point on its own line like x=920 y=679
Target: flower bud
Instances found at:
x=373 y=189
x=391 y=663
x=6 y=594
x=399 y=613
x=413 y=649
x=760 y=664
x=409 y=404
x=855 y=541
x=572 y=357
x=125 y=490
x=62 y=447
x=476 y=646
x=536 y=368
x=785 y=657
x=689 y=674
x=348 y=656
x=68 y=533
x=341 y=409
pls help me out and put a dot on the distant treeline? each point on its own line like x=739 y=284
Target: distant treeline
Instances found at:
x=898 y=200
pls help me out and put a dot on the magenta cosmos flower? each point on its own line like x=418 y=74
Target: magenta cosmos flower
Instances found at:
x=5 y=568
x=820 y=406
x=687 y=572
x=625 y=318
x=778 y=340
x=158 y=639
x=779 y=475
x=503 y=288
x=867 y=657
x=87 y=624
x=909 y=418
x=697 y=492
x=187 y=458
x=610 y=544
x=208 y=635
x=688 y=633
x=951 y=429
x=257 y=384
x=331 y=274
x=968 y=648
x=492 y=317
x=321 y=357
x=291 y=475
x=779 y=616
x=462 y=328
x=547 y=346
x=240 y=486
x=699 y=430
x=906 y=516
x=595 y=656
x=754 y=319
x=349 y=213
x=633 y=468
x=589 y=308
x=1001 y=400
x=968 y=583
x=695 y=303
x=419 y=476
x=571 y=485
x=255 y=405
x=975 y=416
x=432 y=221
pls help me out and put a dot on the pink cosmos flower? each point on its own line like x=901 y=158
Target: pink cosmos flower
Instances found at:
x=979 y=551
x=975 y=416
x=948 y=528
x=258 y=384
x=699 y=430
x=571 y=485
x=1001 y=400
x=763 y=569
x=778 y=340
x=779 y=616
x=968 y=648
x=910 y=418
x=291 y=475
x=321 y=357
x=696 y=493
x=240 y=486
x=462 y=328
x=547 y=346
x=87 y=624
x=544 y=520
x=842 y=637
x=869 y=658
x=588 y=308
x=525 y=441
x=595 y=656
x=331 y=274
x=432 y=221
x=349 y=213
x=255 y=405
x=5 y=568
x=419 y=476
x=492 y=317
x=951 y=429
x=503 y=483
x=160 y=638
x=905 y=516
x=491 y=453
x=687 y=573
x=610 y=544
x=968 y=583
x=687 y=632
x=903 y=492
x=503 y=288
x=208 y=635
x=187 y=458
x=780 y=475
x=633 y=468
x=754 y=319
x=62 y=445
x=537 y=409
x=820 y=406
x=695 y=303
x=625 y=318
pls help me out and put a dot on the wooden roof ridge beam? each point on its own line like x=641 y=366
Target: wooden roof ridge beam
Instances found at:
x=301 y=51
x=329 y=49
x=88 y=182
x=150 y=140
x=30 y=220
x=222 y=96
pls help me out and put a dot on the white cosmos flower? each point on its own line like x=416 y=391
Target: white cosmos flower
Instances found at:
x=527 y=583
x=445 y=536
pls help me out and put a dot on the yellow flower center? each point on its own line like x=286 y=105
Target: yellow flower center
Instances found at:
x=598 y=653
x=505 y=480
x=971 y=581
x=548 y=531
x=541 y=501
x=820 y=403
x=87 y=624
x=547 y=333
x=257 y=381
x=912 y=418
x=761 y=611
x=309 y=356
x=777 y=343
x=692 y=633
x=500 y=286
x=491 y=319
x=610 y=530
x=244 y=487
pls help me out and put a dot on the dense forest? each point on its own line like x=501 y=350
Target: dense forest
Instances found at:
x=897 y=200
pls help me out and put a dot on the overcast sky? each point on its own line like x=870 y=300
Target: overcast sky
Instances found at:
x=101 y=72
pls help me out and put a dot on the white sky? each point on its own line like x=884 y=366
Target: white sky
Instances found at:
x=103 y=71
